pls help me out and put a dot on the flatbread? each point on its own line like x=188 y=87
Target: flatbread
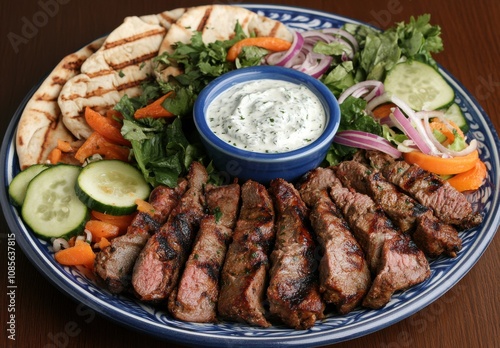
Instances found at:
x=118 y=68
x=40 y=124
x=99 y=74
x=217 y=22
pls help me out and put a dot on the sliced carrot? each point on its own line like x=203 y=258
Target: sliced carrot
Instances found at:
x=79 y=254
x=471 y=179
x=144 y=207
x=449 y=134
x=105 y=127
x=55 y=155
x=122 y=221
x=115 y=117
x=442 y=166
x=155 y=109
x=97 y=144
x=103 y=243
x=270 y=43
x=101 y=229
x=383 y=110
x=65 y=146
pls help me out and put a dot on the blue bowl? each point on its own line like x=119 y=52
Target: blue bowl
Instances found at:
x=233 y=162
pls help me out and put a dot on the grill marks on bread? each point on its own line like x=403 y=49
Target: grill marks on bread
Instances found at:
x=117 y=68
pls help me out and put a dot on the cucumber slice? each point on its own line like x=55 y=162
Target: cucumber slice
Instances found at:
x=51 y=208
x=18 y=185
x=111 y=187
x=455 y=114
x=419 y=85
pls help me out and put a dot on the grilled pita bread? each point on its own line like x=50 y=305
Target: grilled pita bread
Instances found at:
x=119 y=67
x=217 y=22
x=40 y=124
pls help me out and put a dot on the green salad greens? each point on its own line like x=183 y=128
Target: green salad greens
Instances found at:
x=164 y=149
x=379 y=52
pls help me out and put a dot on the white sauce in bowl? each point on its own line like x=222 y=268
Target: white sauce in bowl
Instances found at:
x=267 y=116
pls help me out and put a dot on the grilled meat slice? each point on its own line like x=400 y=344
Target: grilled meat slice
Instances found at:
x=293 y=291
x=157 y=268
x=436 y=238
x=448 y=204
x=431 y=235
x=114 y=263
x=401 y=208
x=244 y=274
x=394 y=259
x=344 y=276
x=195 y=297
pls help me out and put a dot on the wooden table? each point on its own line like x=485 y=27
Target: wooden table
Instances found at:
x=466 y=316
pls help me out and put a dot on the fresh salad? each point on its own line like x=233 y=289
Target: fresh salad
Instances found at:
x=391 y=94
x=392 y=98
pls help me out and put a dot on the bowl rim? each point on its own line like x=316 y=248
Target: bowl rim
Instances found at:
x=227 y=80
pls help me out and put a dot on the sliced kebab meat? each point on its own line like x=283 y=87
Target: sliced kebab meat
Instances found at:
x=394 y=260
x=158 y=266
x=448 y=204
x=293 y=293
x=431 y=235
x=114 y=264
x=195 y=297
x=344 y=276
x=245 y=270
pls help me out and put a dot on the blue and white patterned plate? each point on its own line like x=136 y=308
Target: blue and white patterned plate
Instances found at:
x=126 y=310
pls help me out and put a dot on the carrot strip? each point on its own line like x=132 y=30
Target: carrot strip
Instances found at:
x=64 y=146
x=103 y=126
x=55 y=155
x=114 y=117
x=100 y=229
x=79 y=254
x=271 y=43
x=97 y=144
x=471 y=179
x=441 y=127
x=103 y=243
x=442 y=166
x=144 y=207
x=121 y=221
x=383 y=110
x=155 y=109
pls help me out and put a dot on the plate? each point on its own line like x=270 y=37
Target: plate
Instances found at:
x=445 y=272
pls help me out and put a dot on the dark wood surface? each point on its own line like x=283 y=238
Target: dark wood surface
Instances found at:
x=466 y=316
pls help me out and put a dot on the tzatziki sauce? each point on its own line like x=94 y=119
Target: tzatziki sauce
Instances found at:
x=267 y=116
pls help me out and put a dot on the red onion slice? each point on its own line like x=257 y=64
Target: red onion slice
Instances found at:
x=412 y=133
x=374 y=86
x=367 y=141
x=281 y=58
x=348 y=36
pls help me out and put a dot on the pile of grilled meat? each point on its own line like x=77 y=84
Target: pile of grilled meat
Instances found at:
x=343 y=237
